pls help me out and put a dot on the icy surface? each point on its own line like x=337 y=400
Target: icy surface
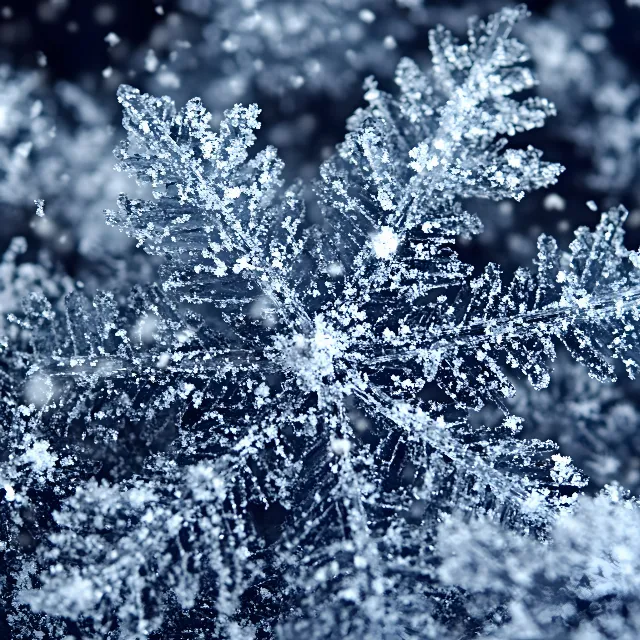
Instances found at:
x=277 y=438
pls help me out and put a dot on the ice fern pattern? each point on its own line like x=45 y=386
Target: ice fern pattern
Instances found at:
x=585 y=299
x=273 y=440
x=410 y=159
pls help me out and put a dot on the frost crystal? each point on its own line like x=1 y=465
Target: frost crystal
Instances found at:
x=276 y=439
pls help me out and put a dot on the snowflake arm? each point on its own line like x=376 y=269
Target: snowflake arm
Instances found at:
x=217 y=214
x=586 y=299
x=409 y=160
x=167 y=532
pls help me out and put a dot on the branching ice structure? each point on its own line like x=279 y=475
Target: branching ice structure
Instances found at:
x=272 y=441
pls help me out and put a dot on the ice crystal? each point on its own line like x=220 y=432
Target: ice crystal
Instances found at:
x=593 y=423
x=273 y=440
x=290 y=57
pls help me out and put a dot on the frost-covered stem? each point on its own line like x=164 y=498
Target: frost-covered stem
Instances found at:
x=436 y=434
x=465 y=98
x=195 y=363
x=552 y=319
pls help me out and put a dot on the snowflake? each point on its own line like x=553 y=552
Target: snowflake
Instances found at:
x=273 y=440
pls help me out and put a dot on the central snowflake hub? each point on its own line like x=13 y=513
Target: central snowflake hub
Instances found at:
x=314 y=357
